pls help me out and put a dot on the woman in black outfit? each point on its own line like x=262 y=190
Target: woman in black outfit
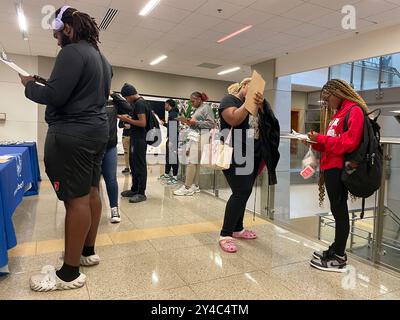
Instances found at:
x=235 y=116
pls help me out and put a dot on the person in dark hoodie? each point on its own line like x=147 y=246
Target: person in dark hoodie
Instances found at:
x=76 y=96
x=235 y=116
x=110 y=159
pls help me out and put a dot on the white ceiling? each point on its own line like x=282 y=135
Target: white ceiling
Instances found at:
x=187 y=30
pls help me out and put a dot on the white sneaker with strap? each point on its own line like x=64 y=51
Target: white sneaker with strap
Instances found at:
x=48 y=280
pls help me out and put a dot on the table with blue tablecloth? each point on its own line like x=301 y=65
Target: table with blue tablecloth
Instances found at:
x=18 y=177
x=33 y=157
x=11 y=194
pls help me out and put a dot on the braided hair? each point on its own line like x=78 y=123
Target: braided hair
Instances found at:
x=85 y=27
x=344 y=91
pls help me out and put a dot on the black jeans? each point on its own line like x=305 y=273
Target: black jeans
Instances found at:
x=138 y=164
x=171 y=160
x=241 y=186
x=338 y=195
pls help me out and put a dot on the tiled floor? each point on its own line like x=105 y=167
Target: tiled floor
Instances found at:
x=166 y=248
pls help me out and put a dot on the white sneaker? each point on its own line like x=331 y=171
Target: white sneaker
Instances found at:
x=48 y=280
x=115 y=217
x=195 y=188
x=182 y=191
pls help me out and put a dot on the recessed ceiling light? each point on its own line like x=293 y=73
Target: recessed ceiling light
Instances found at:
x=234 y=34
x=149 y=7
x=158 y=60
x=228 y=71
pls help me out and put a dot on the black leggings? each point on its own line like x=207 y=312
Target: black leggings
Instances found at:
x=242 y=187
x=171 y=160
x=338 y=195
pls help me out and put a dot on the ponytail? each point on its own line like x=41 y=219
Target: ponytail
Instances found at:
x=203 y=96
x=235 y=88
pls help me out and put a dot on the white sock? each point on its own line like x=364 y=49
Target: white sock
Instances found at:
x=224 y=238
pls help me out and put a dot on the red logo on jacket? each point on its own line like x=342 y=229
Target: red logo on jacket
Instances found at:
x=56 y=185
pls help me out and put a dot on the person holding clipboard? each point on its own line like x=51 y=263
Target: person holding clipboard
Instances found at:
x=76 y=96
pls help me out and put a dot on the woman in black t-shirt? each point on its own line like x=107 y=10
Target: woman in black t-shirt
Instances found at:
x=243 y=170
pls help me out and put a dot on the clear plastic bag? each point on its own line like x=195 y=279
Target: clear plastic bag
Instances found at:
x=309 y=164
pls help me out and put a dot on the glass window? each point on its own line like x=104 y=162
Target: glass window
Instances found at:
x=341 y=71
x=390 y=71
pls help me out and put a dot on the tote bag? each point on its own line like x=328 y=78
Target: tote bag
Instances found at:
x=217 y=155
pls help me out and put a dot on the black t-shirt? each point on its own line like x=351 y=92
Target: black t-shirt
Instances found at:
x=232 y=101
x=139 y=107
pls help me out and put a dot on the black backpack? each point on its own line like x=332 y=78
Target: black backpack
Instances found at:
x=153 y=131
x=362 y=173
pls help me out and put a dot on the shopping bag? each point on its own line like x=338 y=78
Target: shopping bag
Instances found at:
x=309 y=164
x=210 y=151
x=217 y=155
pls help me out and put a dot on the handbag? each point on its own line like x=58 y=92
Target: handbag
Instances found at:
x=217 y=155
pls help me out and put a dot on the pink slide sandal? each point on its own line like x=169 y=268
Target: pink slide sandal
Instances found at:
x=228 y=245
x=246 y=234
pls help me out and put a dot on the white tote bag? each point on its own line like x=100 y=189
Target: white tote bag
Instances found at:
x=217 y=155
x=210 y=151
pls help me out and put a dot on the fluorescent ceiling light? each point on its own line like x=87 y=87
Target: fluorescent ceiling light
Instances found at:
x=149 y=7
x=234 y=34
x=228 y=71
x=158 y=60
x=397 y=111
x=23 y=25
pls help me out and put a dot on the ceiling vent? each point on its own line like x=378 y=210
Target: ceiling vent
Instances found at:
x=209 y=65
x=108 y=18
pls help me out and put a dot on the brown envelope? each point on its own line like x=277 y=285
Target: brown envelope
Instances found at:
x=257 y=84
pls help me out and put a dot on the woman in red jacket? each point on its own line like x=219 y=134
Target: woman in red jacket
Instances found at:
x=338 y=99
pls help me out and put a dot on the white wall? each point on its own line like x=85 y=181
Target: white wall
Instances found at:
x=372 y=44
x=168 y=85
x=21 y=123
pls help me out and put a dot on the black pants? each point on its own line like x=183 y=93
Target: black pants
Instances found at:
x=138 y=164
x=338 y=195
x=242 y=186
x=171 y=160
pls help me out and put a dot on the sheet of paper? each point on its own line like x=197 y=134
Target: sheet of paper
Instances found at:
x=12 y=65
x=257 y=84
x=300 y=136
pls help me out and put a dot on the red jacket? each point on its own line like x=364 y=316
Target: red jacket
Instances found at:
x=335 y=144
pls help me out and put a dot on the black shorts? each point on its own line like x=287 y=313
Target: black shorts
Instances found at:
x=73 y=165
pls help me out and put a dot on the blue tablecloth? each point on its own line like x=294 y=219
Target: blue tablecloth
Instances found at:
x=33 y=156
x=11 y=194
x=23 y=165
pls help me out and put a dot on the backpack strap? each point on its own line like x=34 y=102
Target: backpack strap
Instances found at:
x=346 y=119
